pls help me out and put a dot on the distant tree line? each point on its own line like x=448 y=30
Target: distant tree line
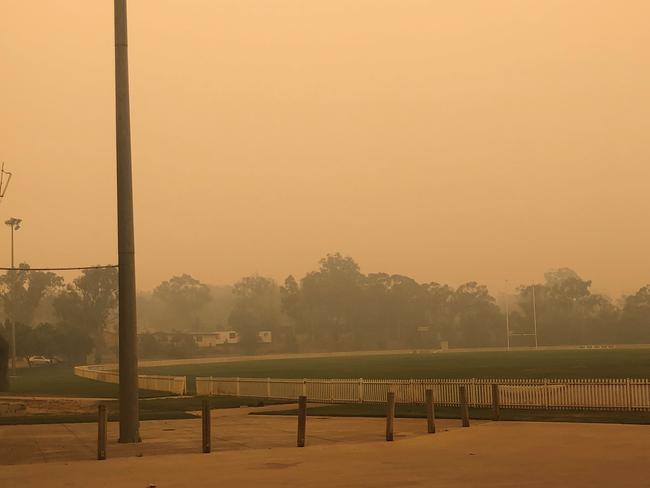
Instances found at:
x=342 y=308
x=77 y=314
x=336 y=307
x=4 y=364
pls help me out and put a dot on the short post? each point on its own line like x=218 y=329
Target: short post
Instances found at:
x=464 y=409
x=390 y=415
x=431 y=419
x=102 y=423
x=496 y=409
x=206 y=427
x=302 y=420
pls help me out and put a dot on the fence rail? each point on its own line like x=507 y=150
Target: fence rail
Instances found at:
x=560 y=394
x=171 y=384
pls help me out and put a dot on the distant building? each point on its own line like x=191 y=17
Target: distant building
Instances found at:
x=212 y=339
x=265 y=337
x=221 y=337
x=217 y=338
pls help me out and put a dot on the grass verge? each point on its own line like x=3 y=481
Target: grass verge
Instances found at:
x=61 y=381
x=415 y=411
x=150 y=409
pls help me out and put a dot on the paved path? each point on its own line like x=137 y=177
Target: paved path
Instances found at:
x=232 y=429
x=504 y=454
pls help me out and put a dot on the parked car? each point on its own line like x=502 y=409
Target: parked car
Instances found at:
x=40 y=361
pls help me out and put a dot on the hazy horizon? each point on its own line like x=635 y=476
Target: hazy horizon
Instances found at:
x=481 y=141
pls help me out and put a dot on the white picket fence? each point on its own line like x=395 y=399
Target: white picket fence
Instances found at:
x=562 y=394
x=107 y=374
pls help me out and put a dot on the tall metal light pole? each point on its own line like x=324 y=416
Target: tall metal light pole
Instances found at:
x=535 y=316
x=129 y=415
x=14 y=224
x=507 y=319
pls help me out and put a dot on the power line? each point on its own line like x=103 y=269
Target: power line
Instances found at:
x=74 y=268
x=4 y=184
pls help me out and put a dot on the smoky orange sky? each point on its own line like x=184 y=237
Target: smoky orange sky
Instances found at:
x=448 y=141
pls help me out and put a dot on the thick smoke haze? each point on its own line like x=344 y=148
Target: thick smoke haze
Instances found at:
x=447 y=141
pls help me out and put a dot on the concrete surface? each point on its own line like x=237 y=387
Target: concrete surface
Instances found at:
x=505 y=454
x=232 y=429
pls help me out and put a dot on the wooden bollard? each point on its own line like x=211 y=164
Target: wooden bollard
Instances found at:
x=464 y=408
x=206 y=428
x=390 y=415
x=302 y=420
x=496 y=408
x=431 y=417
x=102 y=424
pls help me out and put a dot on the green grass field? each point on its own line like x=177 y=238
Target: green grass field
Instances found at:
x=520 y=364
x=150 y=409
x=61 y=381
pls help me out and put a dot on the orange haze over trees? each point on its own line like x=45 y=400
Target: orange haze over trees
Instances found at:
x=484 y=141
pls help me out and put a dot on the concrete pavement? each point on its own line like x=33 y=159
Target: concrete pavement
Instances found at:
x=352 y=454
x=232 y=430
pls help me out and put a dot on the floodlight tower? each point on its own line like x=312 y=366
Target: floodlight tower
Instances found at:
x=507 y=319
x=15 y=225
x=535 y=317
x=128 y=353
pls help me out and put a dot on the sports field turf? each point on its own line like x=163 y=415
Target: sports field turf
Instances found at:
x=61 y=381
x=609 y=363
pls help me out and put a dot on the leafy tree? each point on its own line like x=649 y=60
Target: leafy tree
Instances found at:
x=173 y=345
x=52 y=340
x=339 y=307
x=149 y=346
x=396 y=305
x=22 y=291
x=439 y=309
x=331 y=297
x=25 y=345
x=378 y=328
x=477 y=318
x=73 y=343
x=256 y=308
x=4 y=364
x=635 y=317
x=567 y=311
x=291 y=305
x=88 y=302
x=599 y=320
x=184 y=297
x=290 y=299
